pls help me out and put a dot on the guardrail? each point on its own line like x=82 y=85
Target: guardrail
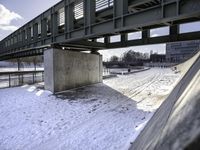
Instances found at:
x=18 y=78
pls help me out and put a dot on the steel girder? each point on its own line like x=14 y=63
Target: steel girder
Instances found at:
x=113 y=17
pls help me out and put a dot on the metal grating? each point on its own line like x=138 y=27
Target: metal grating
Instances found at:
x=61 y=17
x=78 y=9
x=103 y=4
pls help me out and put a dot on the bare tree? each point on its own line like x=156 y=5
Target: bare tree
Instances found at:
x=114 y=59
x=132 y=56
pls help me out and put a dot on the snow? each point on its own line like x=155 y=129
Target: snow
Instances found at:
x=108 y=115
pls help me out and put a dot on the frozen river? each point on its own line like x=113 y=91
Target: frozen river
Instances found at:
x=107 y=116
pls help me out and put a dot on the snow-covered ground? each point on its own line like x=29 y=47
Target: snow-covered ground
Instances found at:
x=98 y=117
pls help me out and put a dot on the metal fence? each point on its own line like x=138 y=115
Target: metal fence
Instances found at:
x=18 y=78
x=106 y=71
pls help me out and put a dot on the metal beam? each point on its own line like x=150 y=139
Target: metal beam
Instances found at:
x=89 y=15
x=156 y=40
x=153 y=14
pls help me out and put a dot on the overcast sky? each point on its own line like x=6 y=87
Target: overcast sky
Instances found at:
x=15 y=13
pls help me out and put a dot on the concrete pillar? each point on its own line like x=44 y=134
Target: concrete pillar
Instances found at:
x=65 y=70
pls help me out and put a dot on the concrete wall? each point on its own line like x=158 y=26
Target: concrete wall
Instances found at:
x=68 y=69
x=176 y=124
x=185 y=66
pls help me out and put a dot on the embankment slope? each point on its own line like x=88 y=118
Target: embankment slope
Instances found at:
x=176 y=124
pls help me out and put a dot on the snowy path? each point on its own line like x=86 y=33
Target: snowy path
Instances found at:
x=98 y=117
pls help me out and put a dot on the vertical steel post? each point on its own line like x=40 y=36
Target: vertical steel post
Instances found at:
x=18 y=64
x=42 y=76
x=9 y=80
x=33 y=78
x=34 y=61
x=89 y=15
x=120 y=9
x=22 y=79
x=174 y=32
x=69 y=18
x=145 y=36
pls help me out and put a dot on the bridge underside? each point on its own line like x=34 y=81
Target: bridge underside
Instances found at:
x=79 y=24
x=85 y=45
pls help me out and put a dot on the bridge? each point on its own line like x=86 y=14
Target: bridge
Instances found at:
x=72 y=26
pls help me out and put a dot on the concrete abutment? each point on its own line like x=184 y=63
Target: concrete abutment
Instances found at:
x=65 y=70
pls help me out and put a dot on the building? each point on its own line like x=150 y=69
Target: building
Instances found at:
x=181 y=51
x=157 y=57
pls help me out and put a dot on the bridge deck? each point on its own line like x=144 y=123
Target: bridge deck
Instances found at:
x=77 y=24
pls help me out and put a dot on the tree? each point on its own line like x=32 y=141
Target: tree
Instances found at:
x=128 y=56
x=132 y=56
x=146 y=56
x=114 y=59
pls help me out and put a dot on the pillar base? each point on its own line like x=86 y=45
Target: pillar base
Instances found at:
x=65 y=70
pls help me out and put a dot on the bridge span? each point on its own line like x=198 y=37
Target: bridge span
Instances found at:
x=90 y=25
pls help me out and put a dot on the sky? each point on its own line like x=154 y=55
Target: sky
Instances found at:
x=15 y=13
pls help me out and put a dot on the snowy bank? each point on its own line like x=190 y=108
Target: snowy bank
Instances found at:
x=102 y=116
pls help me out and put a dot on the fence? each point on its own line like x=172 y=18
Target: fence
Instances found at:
x=18 y=78
x=106 y=71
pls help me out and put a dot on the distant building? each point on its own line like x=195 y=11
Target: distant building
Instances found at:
x=181 y=51
x=157 y=57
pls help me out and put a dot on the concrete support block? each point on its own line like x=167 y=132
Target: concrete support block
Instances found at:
x=65 y=70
